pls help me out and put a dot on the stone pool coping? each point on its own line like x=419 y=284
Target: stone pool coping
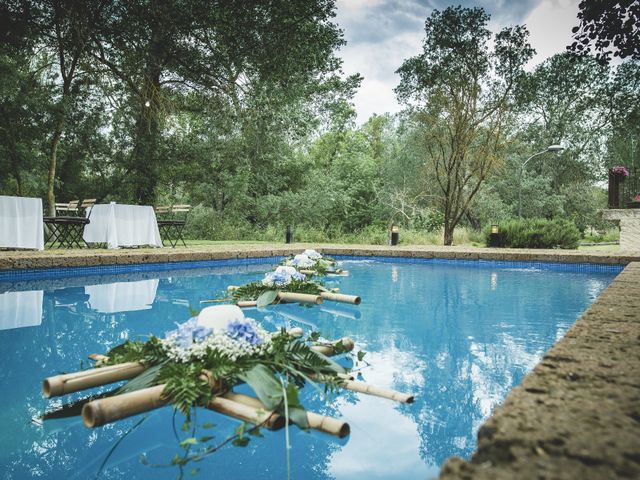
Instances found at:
x=575 y=416
x=83 y=258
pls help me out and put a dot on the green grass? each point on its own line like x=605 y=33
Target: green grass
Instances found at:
x=607 y=248
x=197 y=243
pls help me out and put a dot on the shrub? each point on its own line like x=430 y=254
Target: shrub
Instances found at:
x=538 y=233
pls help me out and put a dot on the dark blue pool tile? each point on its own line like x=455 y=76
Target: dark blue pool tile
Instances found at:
x=65 y=272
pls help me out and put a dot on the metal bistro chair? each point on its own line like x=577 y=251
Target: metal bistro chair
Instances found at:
x=171 y=223
x=67 y=230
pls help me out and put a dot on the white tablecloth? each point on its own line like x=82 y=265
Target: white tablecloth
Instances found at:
x=122 y=226
x=21 y=223
x=20 y=309
x=122 y=296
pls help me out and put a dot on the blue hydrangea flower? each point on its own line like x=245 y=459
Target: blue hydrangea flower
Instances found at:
x=282 y=276
x=243 y=331
x=189 y=332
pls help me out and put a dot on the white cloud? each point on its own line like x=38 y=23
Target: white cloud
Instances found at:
x=381 y=34
x=550 y=25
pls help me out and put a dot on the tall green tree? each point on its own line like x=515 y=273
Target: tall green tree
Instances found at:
x=158 y=49
x=461 y=93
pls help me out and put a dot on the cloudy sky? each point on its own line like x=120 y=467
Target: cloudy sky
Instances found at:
x=380 y=34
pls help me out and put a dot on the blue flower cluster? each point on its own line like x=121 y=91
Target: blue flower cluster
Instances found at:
x=244 y=331
x=282 y=276
x=189 y=332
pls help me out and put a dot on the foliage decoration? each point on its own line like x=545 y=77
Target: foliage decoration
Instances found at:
x=312 y=261
x=283 y=279
x=620 y=170
x=237 y=351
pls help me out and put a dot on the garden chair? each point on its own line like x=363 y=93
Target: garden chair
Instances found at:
x=172 y=222
x=66 y=230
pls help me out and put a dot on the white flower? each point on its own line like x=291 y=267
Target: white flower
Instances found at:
x=246 y=338
x=302 y=261
x=312 y=254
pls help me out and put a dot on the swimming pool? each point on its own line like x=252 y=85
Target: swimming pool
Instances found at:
x=457 y=334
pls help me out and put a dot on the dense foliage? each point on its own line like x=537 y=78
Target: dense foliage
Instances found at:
x=538 y=233
x=241 y=109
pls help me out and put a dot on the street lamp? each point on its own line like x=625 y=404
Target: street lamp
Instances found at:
x=550 y=148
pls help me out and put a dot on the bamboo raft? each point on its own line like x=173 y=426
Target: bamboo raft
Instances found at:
x=289 y=297
x=102 y=411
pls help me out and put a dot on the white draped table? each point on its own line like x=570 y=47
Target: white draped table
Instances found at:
x=21 y=223
x=122 y=226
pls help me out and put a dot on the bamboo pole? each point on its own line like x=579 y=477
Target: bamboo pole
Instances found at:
x=329 y=425
x=338 y=272
x=300 y=297
x=285 y=297
x=74 y=382
x=363 y=387
x=107 y=410
x=110 y=409
x=333 y=349
x=247 y=413
x=246 y=303
x=338 y=297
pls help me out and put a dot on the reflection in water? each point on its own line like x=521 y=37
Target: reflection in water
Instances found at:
x=122 y=296
x=20 y=309
x=452 y=335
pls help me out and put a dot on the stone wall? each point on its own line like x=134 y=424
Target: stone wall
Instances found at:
x=629 y=221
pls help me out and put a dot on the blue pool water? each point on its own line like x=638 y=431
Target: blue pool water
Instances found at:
x=459 y=335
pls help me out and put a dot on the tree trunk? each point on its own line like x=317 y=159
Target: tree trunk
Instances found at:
x=144 y=157
x=18 y=177
x=448 y=233
x=51 y=197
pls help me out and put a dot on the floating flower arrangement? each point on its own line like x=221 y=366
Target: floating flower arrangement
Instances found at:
x=286 y=284
x=198 y=364
x=311 y=262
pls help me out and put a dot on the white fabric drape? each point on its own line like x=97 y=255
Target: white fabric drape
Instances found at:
x=122 y=296
x=21 y=223
x=20 y=309
x=122 y=226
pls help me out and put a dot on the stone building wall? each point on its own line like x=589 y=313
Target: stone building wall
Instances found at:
x=629 y=221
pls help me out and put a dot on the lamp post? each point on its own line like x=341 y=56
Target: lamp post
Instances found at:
x=550 y=148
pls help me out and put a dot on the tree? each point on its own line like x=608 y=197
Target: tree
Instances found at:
x=608 y=26
x=63 y=27
x=161 y=49
x=460 y=93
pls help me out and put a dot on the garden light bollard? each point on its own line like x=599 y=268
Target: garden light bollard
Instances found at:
x=395 y=235
x=494 y=237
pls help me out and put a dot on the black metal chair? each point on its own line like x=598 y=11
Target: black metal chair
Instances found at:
x=65 y=231
x=172 y=222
